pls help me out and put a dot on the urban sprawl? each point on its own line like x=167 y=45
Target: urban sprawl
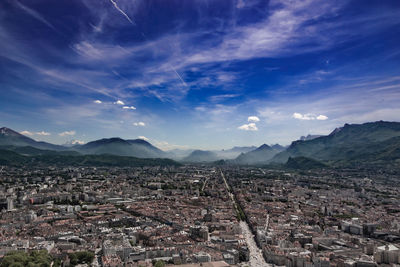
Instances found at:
x=201 y=215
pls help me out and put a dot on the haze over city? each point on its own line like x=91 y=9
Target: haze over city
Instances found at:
x=196 y=74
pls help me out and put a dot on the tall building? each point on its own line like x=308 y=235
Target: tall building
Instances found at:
x=10 y=203
x=389 y=254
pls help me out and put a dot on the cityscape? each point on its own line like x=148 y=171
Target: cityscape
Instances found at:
x=199 y=133
x=202 y=216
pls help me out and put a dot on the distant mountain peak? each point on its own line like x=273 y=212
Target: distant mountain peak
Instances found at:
x=106 y=141
x=139 y=141
x=110 y=140
x=201 y=156
x=118 y=146
x=263 y=147
x=9 y=132
x=277 y=147
x=309 y=137
x=258 y=156
x=9 y=137
x=337 y=130
x=235 y=151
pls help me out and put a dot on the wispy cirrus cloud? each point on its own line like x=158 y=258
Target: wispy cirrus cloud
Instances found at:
x=219 y=98
x=278 y=34
x=92 y=52
x=287 y=27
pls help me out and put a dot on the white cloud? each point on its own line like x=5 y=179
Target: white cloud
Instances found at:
x=143 y=138
x=127 y=107
x=77 y=142
x=300 y=116
x=97 y=101
x=26 y=133
x=253 y=119
x=119 y=102
x=67 y=133
x=248 y=127
x=140 y=123
x=43 y=133
x=309 y=116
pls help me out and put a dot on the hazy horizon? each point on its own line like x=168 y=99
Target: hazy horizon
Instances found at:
x=197 y=74
x=159 y=145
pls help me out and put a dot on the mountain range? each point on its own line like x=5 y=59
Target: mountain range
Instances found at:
x=12 y=140
x=373 y=142
x=368 y=142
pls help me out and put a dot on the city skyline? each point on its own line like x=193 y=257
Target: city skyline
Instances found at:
x=198 y=74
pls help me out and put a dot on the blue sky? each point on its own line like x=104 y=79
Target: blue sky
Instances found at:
x=204 y=74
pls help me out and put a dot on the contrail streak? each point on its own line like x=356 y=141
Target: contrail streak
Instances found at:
x=177 y=74
x=133 y=23
x=180 y=78
x=122 y=12
x=34 y=14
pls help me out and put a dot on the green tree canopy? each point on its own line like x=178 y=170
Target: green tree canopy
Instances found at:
x=38 y=258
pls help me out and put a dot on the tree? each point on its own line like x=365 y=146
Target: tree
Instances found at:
x=81 y=257
x=33 y=259
x=159 y=263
